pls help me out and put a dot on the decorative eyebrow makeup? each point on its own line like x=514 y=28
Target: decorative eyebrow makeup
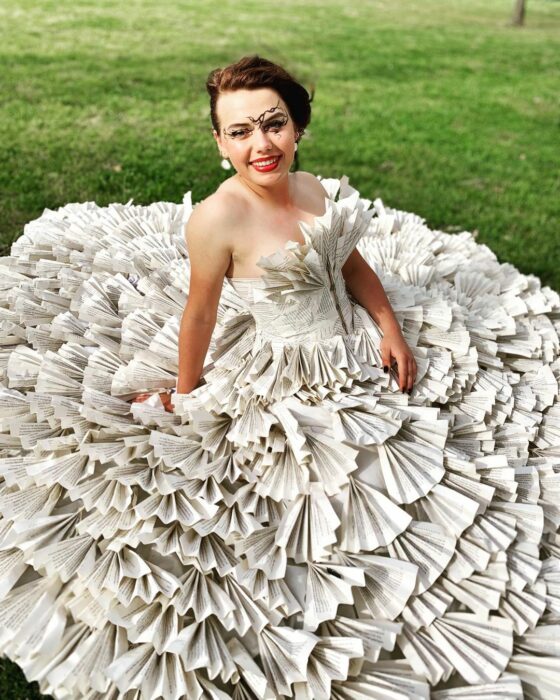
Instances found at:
x=273 y=114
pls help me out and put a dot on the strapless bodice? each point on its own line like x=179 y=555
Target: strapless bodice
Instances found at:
x=311 y=314
x=302 y=293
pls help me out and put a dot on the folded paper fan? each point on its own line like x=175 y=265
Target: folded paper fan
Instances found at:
x=252 y=681
x=327 y=587
x=540 y=675
x=412 y=463
x=422 y=609
x=478 y=648
x=329 y=660
x=385 y=679
x=424 y=655
x=154 y=675
x=202 y=596
x=508 y=687
x=369 y=519
x=308 y=526
x=201 y=646
x=388 y=584
x=285 y=653
x=426 y=545
x=373 y=635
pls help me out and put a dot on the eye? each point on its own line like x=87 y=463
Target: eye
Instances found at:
x=276 y=124
x=238 y=133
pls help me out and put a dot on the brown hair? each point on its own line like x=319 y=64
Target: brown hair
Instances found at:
x=254 y=72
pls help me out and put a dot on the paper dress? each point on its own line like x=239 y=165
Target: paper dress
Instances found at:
x=297 y=527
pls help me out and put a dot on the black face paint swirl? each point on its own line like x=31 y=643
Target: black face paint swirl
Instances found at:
x=260 y=118
x=258 y=122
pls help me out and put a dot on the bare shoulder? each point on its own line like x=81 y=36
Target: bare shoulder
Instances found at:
x=311 y=181
x=214 y=218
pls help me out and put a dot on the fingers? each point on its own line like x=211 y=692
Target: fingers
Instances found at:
x=386 y=360
x=406 y=372
x=141 y=397
x=411 y=375
x=166 y=401
x=164 y=397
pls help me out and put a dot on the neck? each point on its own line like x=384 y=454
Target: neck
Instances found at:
x=278 y=194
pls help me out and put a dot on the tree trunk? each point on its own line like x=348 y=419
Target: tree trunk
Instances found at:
x=518 y=13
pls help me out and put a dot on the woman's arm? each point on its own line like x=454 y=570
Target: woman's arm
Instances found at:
x=206 y=233
x=366 y=288
x=209 y=248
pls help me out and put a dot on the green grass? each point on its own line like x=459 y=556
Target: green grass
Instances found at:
x=436 y=106
x=441 y=108
x=13 y=685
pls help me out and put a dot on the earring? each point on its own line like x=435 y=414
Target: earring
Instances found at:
x=226 y=165
x=295 y=147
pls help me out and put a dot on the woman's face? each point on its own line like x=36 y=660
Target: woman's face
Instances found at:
x=255 y=125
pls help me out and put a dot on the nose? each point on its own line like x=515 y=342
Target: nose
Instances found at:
x=262 y=140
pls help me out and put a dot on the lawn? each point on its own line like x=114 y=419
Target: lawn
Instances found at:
x=436 y=106
x=440 y=108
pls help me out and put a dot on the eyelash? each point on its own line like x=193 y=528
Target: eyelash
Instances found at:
x=279 y=124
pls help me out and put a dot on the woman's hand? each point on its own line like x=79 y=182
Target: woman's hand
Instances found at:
x=165 y=397
x=394 y=348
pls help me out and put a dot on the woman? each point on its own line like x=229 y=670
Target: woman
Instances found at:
x=294 y=524
x=259 y=113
